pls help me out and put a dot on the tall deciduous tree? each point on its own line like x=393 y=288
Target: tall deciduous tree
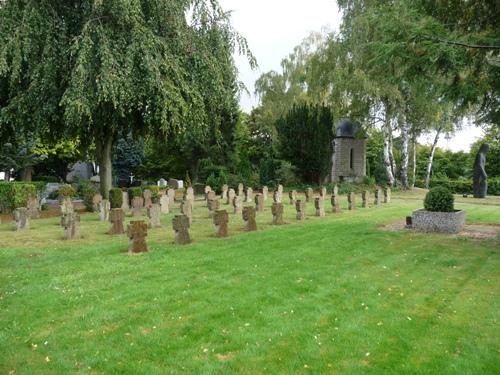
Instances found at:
x=101 y=69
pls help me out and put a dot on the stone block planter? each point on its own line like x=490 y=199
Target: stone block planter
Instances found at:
x=442 y=222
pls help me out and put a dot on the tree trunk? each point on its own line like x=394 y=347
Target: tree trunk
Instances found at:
x=431 y=158
x=405 y=139
x=26 y=174
x=388 y=151
x=414 y=161
x=104 y=148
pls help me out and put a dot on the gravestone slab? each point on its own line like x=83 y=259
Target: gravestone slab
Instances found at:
x=171 y=197
x=187 y=209
x=22 y=218
x=154 y=215
x=377 y=197
x=265 y=192
x=230 y=196
x=162 y=183
x=249 y=219
x=319 y=204
x=189 y=194
x=147 y=195
x=225 y=188
x=292 y=195
x=276 y=197
x=96 y=200
x=213 y=205
x=32 y=206
x=300 y=207
x=249 y=195
x=277 y=211
x=259 y=202
x=67 y=208
x=116 y=217
x=387 y=195
x=221 y=219
x=335 y=190
x=164 y=204
x=210 y=196
x=241 y=192
x=309 y=194
x=137 y=232
x=72 y=227
x=322 y=192
x=137 y=205
x=237 y=205
x=335 y=204
x=125 y=201
x=351 y=200
x=365 y=197
x=104 y=208
x=180 y=224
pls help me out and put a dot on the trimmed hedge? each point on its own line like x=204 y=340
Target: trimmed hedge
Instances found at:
x=116 y=198
x=16 y=194
x=135 y=192
x=462 y=186
x=439 y=199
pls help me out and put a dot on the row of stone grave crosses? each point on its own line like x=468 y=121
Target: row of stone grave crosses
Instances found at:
x=137 y=230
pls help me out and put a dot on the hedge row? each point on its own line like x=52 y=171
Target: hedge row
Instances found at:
x=16 y=194
x=462 y=186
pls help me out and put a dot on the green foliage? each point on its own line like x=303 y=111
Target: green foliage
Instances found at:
x=155 y=193
x=187 y=180
x=439 y=199
x=128 y=155
x=135 y=192
x=306 y=135
x=463 y=186
x=52 y=179
x=66 y=191
x=15 y=194
x=216 y=180
x=116 y=198
x=86 y=191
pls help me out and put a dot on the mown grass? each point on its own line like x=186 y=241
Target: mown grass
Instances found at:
x=333 y=295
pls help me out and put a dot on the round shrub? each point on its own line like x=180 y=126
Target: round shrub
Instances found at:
x=86 y=191
x=66 y=191
x=135 y=192
x=116 y=198
x=439 y=199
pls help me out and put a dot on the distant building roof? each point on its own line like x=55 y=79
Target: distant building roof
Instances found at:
x=348 y=129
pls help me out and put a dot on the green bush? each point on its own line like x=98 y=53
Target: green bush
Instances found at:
x=66 y=191
x=15 y=194
x=135 y=192
x=86 y=190
x=215 y=181
x=53 y=179
x=116 y=198
x=439 y=199
x=155 y=193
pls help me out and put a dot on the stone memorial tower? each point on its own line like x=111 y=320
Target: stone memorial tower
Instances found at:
x=349 y=153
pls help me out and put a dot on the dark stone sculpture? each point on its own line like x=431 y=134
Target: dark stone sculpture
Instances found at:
x=480 y=186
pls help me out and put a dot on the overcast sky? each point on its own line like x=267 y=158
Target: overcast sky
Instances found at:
x=274 y=27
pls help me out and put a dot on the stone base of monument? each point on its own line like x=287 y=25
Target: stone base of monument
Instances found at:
x=441 y=222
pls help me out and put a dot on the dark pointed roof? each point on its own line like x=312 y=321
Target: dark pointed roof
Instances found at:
x=348 y=129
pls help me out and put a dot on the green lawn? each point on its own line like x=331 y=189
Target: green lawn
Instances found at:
x=333 y=295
